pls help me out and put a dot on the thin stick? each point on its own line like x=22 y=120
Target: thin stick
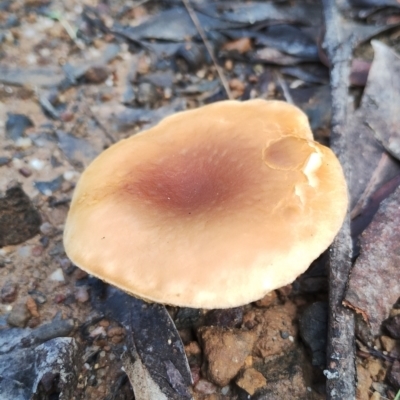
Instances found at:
x=202 y=34
x=284 y=87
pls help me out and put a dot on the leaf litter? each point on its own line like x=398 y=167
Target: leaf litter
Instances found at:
x=141 y=67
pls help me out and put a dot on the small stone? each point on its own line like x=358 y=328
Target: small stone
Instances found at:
x=205 y=387
x=4 y=161
x=67 y=116
x=225 y=351
x=81 y=294
x=284 y=334
x=375 y=396
x=237 y=86
x=37 y=164
x=19 y=316
x=80 y=274
x=39 y=297
x=25 y=172
x=195 y=372
x=394 y=375
x=59 y=298
x=376 y=369
x=48 y=229
x=364 y=382
x=115 y=331
x=192 y=349
x=388 y=343
x=268 y=300
x=117 y=339
x=9 y=292
x=57 y=275
x=37 y=251
x=251 y=381
x=66 y=265
x=271 y=322
x=97 y=74
x=380 y=388
x=225 y=390
x=392 y=326
x=32 y=307
x=147 y=93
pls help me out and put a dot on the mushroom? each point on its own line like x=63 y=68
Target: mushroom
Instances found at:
x=211 y=208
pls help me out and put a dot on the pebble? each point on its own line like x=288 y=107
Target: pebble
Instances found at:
x=364 y=382
x=115 y=331
x=9 y=292
x=375 y=396
x=66 y=265
x=38 y=296
x=25 y=172
x=81 y=294
x=19 y=316
x=16 y=125
x=284 y=334
x=205 y=387
x=32 y=307
x=388 y=343
x=48 y=229
x=4 y=161
x=24 y=251
x=225 y=351
x=37 y=164
x=268 y=300
x=97 y=74
x=57 y=275
x=23 y=143
x=59 y=298
x=79 y=274
x=251 y=381
x=147 y=93
x=37 y=251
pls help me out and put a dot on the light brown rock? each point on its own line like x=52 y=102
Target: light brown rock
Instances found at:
x=375 y=396
x=225 y=351
x=388 y=343
x=19 y=316
x=251 y=381
x=205 y=387
x=268 y=300
x=364 y=382
x=271 y=322
x=376 y=369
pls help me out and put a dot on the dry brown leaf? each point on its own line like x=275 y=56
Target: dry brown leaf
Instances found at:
x=382 y=98
x=374 y=284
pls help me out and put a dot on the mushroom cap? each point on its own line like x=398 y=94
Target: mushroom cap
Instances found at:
x=211 y=208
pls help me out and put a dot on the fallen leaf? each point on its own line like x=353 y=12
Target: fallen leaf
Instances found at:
x=382 y=98
x=374 y=284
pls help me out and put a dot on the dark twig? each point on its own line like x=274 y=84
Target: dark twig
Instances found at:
x=203 y=36
x=341 y=372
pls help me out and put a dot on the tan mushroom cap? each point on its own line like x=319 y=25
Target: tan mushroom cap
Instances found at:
x=211 y=208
